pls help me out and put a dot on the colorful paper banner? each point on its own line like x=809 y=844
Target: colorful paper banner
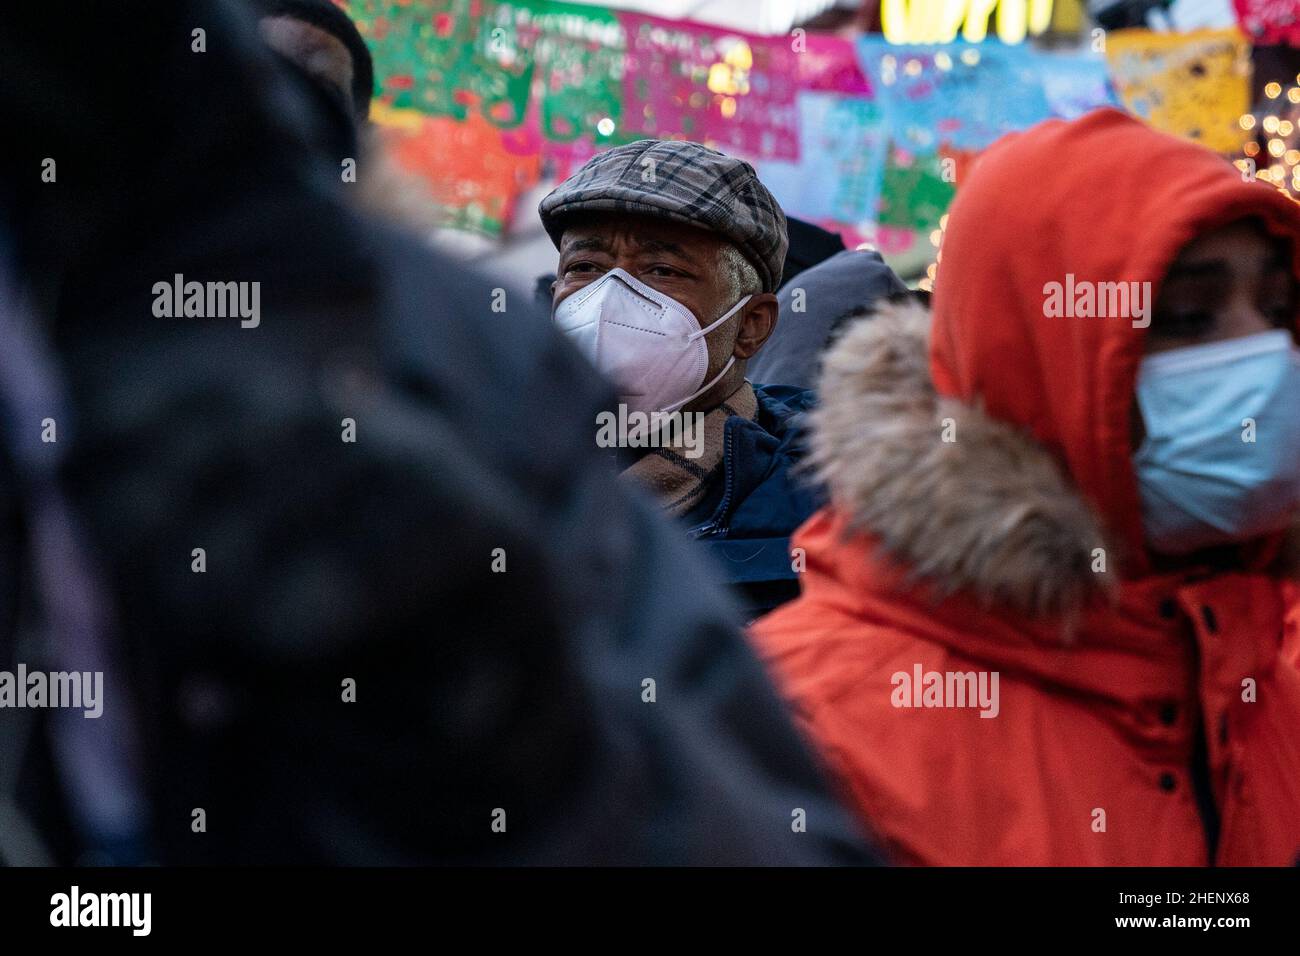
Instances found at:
x=725 y=89
x=1194 y=85
x=480 y=97
x=843 y=141
x=966 y=95
x=474 y=171
x=1270 y=22
x=829 y=63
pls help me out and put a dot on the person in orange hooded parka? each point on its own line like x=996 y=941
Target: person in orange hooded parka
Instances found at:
x=1049 y=617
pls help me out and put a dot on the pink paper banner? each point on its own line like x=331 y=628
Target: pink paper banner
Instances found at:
x=1270 y=22
x=829 y=64
x=734 y=91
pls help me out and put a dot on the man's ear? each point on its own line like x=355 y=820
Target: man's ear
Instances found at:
x=757 y=322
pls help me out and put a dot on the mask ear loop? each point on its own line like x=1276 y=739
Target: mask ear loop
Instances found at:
x=725 y=369
x=707 y=385
x=713 y=325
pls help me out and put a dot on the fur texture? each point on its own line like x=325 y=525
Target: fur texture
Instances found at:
x=987 y=512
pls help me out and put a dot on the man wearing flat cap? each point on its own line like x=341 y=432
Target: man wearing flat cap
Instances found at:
x=670 y=253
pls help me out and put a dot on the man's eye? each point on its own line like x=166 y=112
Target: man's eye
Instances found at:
x=579 y=267
x=663 y=271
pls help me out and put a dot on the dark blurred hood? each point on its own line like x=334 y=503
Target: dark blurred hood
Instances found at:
x=824 y=295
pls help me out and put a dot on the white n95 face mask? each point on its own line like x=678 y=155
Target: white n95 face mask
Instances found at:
x=647 y=343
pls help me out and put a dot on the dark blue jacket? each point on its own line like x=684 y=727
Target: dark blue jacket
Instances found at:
x=747 y=518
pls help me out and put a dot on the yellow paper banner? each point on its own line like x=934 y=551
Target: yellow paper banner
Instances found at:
x=1195 y=85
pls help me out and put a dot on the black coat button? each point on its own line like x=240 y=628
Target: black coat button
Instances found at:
x=1168 y=782
x=1168 y=713
x=1168 y=609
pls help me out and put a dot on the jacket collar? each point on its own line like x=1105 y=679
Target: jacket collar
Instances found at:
x=759 y=493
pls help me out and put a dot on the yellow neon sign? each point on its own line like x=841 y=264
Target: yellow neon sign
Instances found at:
x=937 y=21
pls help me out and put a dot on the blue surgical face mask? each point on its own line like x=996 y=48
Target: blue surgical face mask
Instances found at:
x=1221 y=458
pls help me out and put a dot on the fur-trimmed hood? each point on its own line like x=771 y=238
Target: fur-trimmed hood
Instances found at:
x=966 y=502
x=969 y=503
x=1093 y=702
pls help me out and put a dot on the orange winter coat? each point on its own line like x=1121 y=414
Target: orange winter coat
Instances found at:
x=986 y=521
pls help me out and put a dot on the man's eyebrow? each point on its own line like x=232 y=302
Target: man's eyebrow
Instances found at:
x=590 y=244
x=599 y=244
x=663 y=245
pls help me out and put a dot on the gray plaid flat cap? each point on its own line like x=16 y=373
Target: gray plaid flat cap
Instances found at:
x=683 y=181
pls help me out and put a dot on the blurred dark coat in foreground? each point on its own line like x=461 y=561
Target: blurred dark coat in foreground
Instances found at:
x=476 y=690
